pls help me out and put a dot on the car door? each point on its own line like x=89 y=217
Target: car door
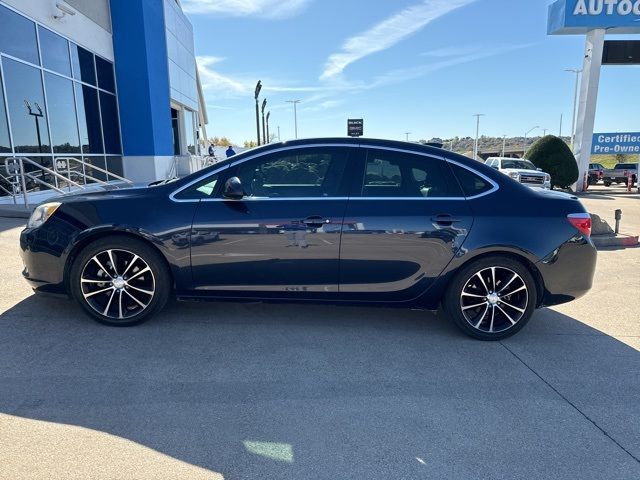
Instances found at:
x=282 y=239
x=405 y=220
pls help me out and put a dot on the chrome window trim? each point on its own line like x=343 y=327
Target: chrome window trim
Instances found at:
x=347 y=145
x=251 y=157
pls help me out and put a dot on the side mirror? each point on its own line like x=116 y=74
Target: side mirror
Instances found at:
x=233 y=189
x=539 y=169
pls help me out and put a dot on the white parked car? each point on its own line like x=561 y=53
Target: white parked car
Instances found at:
x=521 y=170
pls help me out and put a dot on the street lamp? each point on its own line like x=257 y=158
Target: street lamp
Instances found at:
x=257 y=93
x=407 y=135
x=504 y=144
x=524 y=149
x=37 y=116
x=475 y=145
x=295 y=114
x=264 y=130
x=575 y=104
x=268 y=136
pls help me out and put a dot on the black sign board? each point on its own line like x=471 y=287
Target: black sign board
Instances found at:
x=621 y=52
x=355 y=127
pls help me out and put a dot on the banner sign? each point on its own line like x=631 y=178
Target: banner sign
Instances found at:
x=571 y=17
x=615 y=143
x=355 y=127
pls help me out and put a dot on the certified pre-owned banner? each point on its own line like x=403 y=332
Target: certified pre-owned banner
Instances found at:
x=615 y=143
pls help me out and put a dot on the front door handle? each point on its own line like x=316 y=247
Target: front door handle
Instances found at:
x=445 y=219
x=316 y=221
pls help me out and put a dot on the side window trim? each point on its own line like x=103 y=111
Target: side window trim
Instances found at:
x=494 y=185
x=172 y=195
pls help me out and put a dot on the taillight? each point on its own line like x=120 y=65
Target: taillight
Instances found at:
x=582 y=221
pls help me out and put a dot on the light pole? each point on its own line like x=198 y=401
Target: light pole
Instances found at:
x=544 y=132
x=37 y=116
x=295 y=114
x=407 y=135
x=257 y=93
x=268 y=136
x=264 y=130
x=575 y=104
x=560 y=134
x=279 y=133
x=504 y=144
x=525 y=139
x=475 y=145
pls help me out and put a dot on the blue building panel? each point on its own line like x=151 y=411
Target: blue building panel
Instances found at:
x=577 y=17
x=142 y=77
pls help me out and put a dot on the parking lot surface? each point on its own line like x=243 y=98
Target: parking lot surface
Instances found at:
x=253 y=391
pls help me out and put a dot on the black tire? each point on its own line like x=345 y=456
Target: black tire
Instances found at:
x=144 y=280
x=488 y=320
x=607 y=184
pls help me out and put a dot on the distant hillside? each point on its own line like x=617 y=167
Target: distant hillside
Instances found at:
x=465 y=144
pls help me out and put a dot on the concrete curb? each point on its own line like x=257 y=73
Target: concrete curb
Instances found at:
x=602 y=241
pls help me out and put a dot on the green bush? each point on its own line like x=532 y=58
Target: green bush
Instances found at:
x=554 y=156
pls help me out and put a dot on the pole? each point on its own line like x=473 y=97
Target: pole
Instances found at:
x=295 y=115
x=268 y=136
x=264 y=130
x=575 y=104
x=256 y=95
x=475 y=145
x=407 y=135
x=524 y=147
x=504 y=144
x=560 y=134
x=544 y=132
x=279 y=139
x=589 y=85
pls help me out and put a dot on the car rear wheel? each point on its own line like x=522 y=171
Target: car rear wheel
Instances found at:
x=120 y=281
x=492 y=298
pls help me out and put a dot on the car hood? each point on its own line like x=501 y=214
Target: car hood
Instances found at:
x=96 y=192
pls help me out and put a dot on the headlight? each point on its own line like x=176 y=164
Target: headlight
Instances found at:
x=41 y=214
x=547 y=177
x=515 y=176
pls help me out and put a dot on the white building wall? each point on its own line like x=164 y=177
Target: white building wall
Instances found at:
x=182 y=63
x=79 y=28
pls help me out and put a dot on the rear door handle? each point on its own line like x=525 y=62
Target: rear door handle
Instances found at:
x=316 y=221
x=445 y=219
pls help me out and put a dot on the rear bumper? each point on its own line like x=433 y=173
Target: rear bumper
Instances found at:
x=567 y=273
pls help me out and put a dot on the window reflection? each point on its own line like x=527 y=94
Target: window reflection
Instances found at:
x=114 y=165
x=106 y=80
x=189 y=131
x=83 y=67
x=89 y=119
x=5 y=143
x=25 y=101
x=18 y=36
x=110 y=125
x=64 y=130
x=55 y=52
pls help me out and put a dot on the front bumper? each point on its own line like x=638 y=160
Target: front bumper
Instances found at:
x=567 y=272
x=44 y=261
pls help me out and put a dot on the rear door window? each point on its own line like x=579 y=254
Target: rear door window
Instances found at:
x=472 y=184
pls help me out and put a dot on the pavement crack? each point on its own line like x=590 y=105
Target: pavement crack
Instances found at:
x=604 y=432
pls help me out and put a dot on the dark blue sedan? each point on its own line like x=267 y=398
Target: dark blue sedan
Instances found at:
x=343 y=221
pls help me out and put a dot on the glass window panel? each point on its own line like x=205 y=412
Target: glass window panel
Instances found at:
x=471 y=183
x=18 y=36
x=106 y=80
x=62 y=114
x=189 y=131
x=89 y=119
x=27 y=112
x=310 y=172
x=110 y=124
x=395 y=174
x=5 y=141
x=98 y=162
x=114 y=165
x=55 y=52
x=83 y=67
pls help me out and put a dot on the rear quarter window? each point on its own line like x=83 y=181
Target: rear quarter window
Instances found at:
x=472 y=184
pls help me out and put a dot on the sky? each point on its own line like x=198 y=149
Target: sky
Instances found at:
x=419 y=66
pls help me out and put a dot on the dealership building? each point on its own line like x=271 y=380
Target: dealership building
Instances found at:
x=112 y=83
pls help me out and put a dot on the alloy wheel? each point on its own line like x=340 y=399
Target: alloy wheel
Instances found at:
x=117 y=284
x=494 y=299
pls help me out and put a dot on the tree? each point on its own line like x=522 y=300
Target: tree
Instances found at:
x=250 y=144
x=554 y=156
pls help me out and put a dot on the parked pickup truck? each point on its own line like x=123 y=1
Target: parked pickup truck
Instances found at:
x=619 y=174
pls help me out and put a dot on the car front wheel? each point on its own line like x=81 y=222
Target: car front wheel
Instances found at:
x=492 y=298
x=120 y=281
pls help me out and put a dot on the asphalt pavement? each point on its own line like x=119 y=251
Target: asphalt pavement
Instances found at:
x=253 y=391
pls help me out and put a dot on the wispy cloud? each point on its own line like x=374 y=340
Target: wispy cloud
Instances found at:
x=271 y=9
x=215 y=81
x=388 y=33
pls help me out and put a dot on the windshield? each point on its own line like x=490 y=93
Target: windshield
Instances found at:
x=521 y=164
